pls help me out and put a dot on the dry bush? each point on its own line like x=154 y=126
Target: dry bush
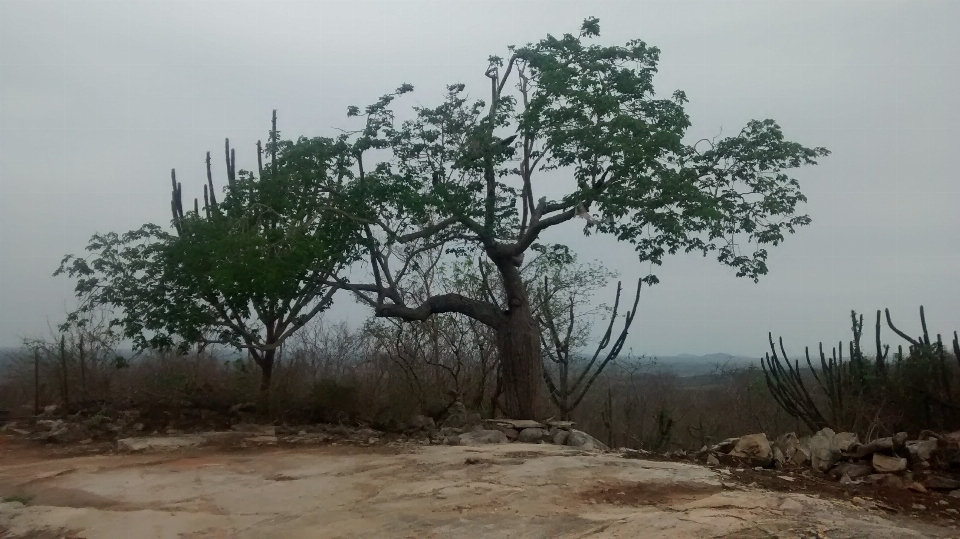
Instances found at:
x=383 y=374
x=643 y=405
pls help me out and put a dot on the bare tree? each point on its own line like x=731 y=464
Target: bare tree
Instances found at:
x=569 y=389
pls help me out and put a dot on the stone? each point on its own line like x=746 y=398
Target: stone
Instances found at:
x=954 y=494
x=846 y=441
x=160 y=443
x=889 y=481
x=582 y=440
x=512 y=434
x=516 y=424
x=712 y=460
x=917 y=487
x=852 y=469
x=480 y=437
x=533 y=435
x=725 y=446
x=938 y=482
x=921 y=450
x=262 y=439
x=788 y=444
x=244 y=407
x=253 y=428
x=824 y=452
x=899 y=439
x=755 y=448
x=50 y=424
x=560 y=438
x=884 y=464
x=845 y=480
x=880 y=444
x=128 y=416
x=778 y=459
x=50 y=409
x=802 y=455
x=566 y=425
x=628 y=453
x=422 y=422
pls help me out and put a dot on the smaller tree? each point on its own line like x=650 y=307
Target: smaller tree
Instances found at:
x=565 y=330
x=246 y=272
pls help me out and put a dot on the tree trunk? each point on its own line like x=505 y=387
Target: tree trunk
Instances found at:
x=518 y=340
x=266 y=371
x=36 y=381
x=83 y=370
x=63 y=369
x=265 y=361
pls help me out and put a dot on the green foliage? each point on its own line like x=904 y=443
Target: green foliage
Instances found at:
x=246 y=271
x=23 y=499
x=589 y=111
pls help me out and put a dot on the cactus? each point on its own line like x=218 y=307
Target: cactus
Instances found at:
x=787 y=387
x=919 y=378
x=210 y=205
x=882 y=351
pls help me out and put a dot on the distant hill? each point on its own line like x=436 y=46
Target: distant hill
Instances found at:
x=693 y=365
x=682 y=364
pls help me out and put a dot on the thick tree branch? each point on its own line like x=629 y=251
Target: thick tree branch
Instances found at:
x=445 y=303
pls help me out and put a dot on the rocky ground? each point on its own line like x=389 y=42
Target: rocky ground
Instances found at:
x=124 y=475
x=491 y=490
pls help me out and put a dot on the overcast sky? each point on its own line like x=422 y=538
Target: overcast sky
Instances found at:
x=100 y=99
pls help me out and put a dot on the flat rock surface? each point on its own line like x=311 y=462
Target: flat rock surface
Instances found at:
x=515 y=490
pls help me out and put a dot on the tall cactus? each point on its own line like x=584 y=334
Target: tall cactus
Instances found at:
x=210 y=203
x=787 y=387
x=919 y=378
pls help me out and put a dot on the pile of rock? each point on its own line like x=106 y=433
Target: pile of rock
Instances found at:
x=894 y=461
x=465 y=428
x=53 y=426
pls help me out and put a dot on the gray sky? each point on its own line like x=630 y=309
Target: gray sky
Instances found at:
x=100 y=99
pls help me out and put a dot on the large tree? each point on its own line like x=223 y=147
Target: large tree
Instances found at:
x=464 y=177
x=246 y=271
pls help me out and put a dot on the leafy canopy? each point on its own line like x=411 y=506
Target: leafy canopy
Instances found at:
x=463 y=175
x=247 y=271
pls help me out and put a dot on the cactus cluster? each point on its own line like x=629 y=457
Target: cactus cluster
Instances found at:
x=210 y=204
x=858 y=392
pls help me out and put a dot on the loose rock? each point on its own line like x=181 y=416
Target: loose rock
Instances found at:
x=788 y=444
x=921 y=450
x=823 y=450
x=480 y=437
x=164 y=443
x=422 y=422
x=851 y=469
x=533 y=435
x=754 y=448
x=846 y=441
x=937 y=482
x=582 y=440
x=884 y=464
x=880 y=444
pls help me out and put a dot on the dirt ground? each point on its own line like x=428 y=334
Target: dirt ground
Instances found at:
x=514 y=490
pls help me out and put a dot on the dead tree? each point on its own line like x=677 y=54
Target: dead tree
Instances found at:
x=569 y=390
